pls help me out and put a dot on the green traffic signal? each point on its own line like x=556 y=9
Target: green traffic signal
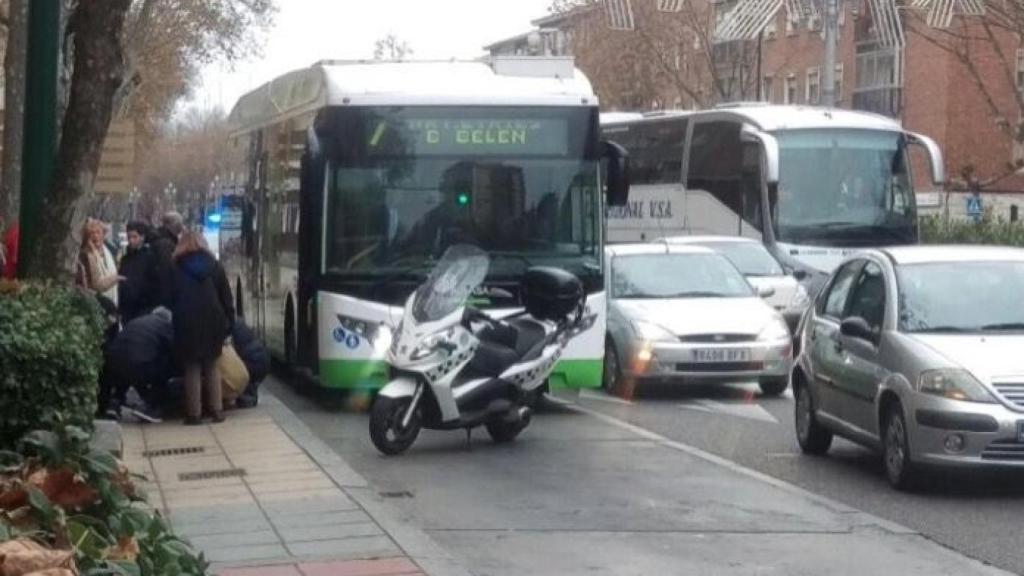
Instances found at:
x=462 y=199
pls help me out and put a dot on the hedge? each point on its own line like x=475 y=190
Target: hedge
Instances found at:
x=50 y=358
x=988 y=230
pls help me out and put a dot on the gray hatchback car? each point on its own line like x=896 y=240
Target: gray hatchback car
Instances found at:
x=916 y=351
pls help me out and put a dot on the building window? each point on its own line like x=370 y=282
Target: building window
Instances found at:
x=789 y=96
x=771 y=29
x=791 y=24
x=839 y=83
x=842 y=14
x=878 y=79
x=767 y=89
x=813 y=86
x=1020 y=69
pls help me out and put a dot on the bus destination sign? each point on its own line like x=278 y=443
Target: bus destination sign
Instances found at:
x=478 y=137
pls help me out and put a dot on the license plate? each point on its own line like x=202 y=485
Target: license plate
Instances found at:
x=1020 y=432
x=720 y=355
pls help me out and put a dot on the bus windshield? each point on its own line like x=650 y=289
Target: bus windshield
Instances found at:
x=843 y=187
x=410 y=182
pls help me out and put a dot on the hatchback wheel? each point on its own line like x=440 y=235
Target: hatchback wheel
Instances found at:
x=612 y=374
x=812 y=436
x=899 y=468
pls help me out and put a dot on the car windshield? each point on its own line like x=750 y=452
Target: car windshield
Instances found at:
x=961 y=297
x=676 y=276
x=750 y=258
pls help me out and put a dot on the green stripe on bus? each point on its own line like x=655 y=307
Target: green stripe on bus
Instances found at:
x=576 y=374
x=354 y=374
x=373 y=374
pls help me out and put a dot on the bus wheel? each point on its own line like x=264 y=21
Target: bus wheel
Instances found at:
x=289 y=332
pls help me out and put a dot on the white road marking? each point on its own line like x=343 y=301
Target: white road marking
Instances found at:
x=602 y=397
x=749 y=410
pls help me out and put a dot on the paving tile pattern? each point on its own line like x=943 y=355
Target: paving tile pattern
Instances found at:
x=284 y=517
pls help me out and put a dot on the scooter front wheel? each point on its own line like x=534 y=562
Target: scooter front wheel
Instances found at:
x=386 y=429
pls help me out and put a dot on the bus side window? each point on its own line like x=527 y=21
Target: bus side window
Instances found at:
x=713 y=180
x=750 y=186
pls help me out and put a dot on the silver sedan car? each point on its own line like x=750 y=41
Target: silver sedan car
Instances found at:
x=685 y=314
x=916 y=351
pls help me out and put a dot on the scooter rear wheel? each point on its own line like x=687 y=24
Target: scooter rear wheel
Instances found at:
x=502 y=432
x=386 y=430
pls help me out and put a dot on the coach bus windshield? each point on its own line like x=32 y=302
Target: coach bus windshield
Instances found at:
x=843 y=187
x=406 y=183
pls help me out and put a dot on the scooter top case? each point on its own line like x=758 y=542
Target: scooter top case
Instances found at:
x=551 y=293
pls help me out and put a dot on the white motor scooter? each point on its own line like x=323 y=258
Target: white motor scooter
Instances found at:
x=455 y=367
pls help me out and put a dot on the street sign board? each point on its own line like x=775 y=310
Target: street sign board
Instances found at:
x=116 y=174
x=974 y=206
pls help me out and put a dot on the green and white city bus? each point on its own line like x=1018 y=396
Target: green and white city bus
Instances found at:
x=360 y=174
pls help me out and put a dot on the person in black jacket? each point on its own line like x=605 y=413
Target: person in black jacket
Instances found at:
x=203 y=317
x=256 y=359
x=139 y=357
x=164 y=241
x=139 y=293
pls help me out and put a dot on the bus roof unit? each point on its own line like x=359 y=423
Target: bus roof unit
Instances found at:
x=513 y=81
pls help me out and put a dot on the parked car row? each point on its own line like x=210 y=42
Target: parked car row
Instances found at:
x=911 y=351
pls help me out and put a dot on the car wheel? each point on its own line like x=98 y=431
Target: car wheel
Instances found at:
x=899 y=467
x=813 y=437
x=773 y=386
x=612 y=373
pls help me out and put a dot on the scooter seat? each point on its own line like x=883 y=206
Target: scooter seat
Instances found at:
x=492 y=358
x=529 y=333
x=503 y=345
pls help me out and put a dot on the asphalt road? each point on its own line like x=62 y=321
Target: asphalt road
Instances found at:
x=587 y=493
x=980 y=514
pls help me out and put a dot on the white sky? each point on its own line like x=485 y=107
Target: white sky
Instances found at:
x=306 y=31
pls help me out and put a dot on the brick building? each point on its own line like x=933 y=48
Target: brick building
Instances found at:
x=670 y=61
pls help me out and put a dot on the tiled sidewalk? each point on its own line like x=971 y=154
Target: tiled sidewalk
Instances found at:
x=261 y=500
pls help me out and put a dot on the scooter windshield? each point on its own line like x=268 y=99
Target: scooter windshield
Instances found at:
x=460 y=270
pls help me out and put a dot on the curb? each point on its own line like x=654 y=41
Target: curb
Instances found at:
x=416 y=544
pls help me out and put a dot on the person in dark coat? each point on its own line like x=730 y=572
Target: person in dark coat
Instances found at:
x=139 y=293
x=139 y=357
x=203 y=317
x=256 y=359
x=164 y=241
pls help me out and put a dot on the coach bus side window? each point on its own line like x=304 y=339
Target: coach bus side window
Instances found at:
x=656 y=151
x=715 y=168
x=750 y=187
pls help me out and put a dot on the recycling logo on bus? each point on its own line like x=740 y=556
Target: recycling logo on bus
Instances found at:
x=351 y=340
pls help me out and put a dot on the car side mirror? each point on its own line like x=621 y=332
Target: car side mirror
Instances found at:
x=765 y=291
x=857 y=327
x=800 y=274
x=616 y=173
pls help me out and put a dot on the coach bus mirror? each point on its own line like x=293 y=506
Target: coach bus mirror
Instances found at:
x=934 y=156
x=616 y=160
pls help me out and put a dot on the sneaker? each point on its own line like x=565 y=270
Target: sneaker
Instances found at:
x=246 y=402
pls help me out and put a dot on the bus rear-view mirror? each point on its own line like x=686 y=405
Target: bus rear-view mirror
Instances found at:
x=616 y=161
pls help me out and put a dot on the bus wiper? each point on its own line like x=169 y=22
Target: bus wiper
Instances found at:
x=513 y=256
x=1004 y=326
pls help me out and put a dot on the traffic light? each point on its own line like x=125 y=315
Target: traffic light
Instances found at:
x=462 y=199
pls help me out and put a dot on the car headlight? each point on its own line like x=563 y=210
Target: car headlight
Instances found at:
x=800 y=298
x=775 y=330
x=955 y=384
x=652 y=332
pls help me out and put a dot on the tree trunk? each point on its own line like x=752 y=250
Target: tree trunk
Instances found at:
x=14 y=111
x=96 y=26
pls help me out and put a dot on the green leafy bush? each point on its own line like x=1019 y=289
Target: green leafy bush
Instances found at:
x=82 y=500
x=988 y=230
x=50 y=358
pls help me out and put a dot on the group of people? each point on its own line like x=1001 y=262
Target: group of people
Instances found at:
x=173 y=336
